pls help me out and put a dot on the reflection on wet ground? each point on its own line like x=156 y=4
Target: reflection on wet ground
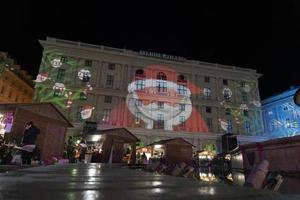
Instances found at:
x=102 y=181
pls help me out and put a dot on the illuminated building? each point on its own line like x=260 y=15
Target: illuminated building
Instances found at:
x=281 y=115
x=156 y=96
x=16 y=86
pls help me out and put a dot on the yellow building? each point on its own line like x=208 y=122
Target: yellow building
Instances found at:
x=16 y=86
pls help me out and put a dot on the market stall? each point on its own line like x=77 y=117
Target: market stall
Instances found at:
x=174 y=150
x=112 y=144
x=46 y=117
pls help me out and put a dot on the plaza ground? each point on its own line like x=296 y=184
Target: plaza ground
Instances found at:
x=104 y=181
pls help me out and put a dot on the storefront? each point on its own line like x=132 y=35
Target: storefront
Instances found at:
x=46 y=117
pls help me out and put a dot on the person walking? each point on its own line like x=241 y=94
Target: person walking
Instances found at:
x=28 y=143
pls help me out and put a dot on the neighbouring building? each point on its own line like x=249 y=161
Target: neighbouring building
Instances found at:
x=16 y=85
x=155 y=96
x=281 y=115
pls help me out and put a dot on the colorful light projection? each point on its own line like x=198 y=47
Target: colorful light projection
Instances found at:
x=6 y=122
x=53 y=83
x=283 y=121
x=160 y=98
x=240 y=113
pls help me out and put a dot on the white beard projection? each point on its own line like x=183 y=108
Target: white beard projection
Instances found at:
x=172 y=114
x=87 y=112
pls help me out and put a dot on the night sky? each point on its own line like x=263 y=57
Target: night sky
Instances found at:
x=263 y=35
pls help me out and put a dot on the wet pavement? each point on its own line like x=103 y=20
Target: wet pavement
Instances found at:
x=103 y=181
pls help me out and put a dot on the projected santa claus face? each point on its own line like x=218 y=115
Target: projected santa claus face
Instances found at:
x=159 y=100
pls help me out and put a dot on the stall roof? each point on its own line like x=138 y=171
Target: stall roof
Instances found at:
x=122 y=132
x=170 y=140
x=24 y=105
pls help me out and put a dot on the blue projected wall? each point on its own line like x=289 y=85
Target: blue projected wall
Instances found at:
x=281 y=115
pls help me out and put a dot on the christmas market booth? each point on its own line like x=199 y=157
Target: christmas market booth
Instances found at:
x=113 y=144
x=45 y=116
x=174 y=150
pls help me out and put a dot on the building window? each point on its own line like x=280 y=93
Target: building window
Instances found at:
x=182 y=121
x=208 y=109
x=181 y=78
x=2 y=90
x=111 y=66
x=182 y=107
x=107 y=99
x=88 y=63
x=227 y=93
x=227 y=111
x=138 y=102
x=60 y=75
x=206 y=79
x=160 y=105
x=17 y=97
x=229 y=126
x=243 y=84
x=247 y=127
x=225 y=82
x=140 y=84
x=63 y=59
x=161 y=76
x=109 y=80
x=105 y=115
x=246 y=113
x=207 y=92
x=160 y=121
x=181 y=89
x=83 y=96
x=78 y=113
x=209 y=123
x=161 y=86
x=244 y=96
x=138 y=118
x=140 y=73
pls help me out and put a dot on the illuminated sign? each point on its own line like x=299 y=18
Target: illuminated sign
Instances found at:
x=162 y=56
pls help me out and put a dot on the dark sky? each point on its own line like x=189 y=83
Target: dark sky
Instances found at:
x=264 y=35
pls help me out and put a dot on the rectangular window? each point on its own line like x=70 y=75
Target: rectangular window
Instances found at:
x=246 y=113
x=206 y=79
x=227 y=111
x=88 y=63
x=160 y=121
x=244 y=97
x=109 y=80
x=225 y=82
x=160 y=105
x=182 y=121
x=107 y=99
x=209 y=123
x=243 y=84
x=17 y=98
x=182 y=107
x=140 y=84
x=105 y=115
x=181 y=89
x=138 y=118
x=63 y=59
x=229 y=126
x=111 y=66
x=207 y=92
x=247 y=128
x=138 y=102
x=60 y=75
x=161 y=86
x=208 y=109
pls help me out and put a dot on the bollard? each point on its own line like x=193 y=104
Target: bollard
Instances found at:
x=258 y=175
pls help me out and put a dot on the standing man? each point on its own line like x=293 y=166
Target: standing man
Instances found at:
x=30 y=134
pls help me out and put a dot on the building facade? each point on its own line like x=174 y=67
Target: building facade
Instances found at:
x=156 y=96
x=281 y=115
x=16 y=86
